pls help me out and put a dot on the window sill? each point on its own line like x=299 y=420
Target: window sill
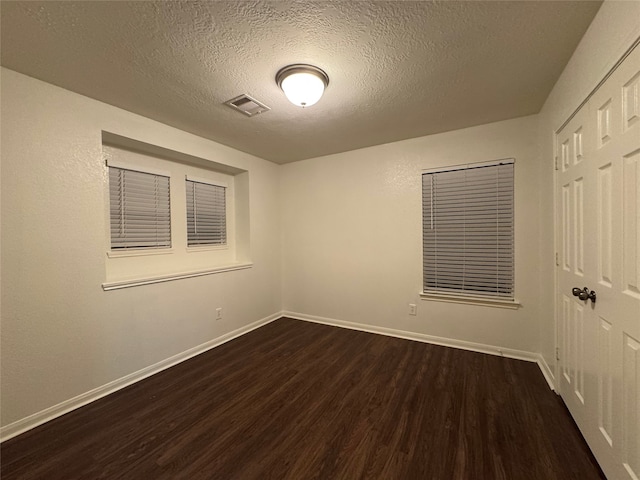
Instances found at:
x=139 y=252
x=471 y=300
x=175 y=276
x=205 y=248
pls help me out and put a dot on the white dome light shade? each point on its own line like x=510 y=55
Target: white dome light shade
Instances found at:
x=303 y=89
x=302 y=84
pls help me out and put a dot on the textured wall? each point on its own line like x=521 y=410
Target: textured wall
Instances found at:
x=62 y=335
x=352 y=227
x=614 y=28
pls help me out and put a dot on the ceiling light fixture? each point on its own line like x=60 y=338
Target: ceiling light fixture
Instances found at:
x=302 y=84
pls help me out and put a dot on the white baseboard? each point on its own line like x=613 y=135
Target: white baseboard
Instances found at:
x=546 y=371
x=36 y=419
x=445 y=342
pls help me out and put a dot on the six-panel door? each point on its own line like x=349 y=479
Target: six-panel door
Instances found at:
x=598 y=201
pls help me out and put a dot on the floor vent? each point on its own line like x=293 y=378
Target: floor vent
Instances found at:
x=247 y=105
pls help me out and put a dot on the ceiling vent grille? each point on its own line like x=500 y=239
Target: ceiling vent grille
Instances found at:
x=247 y=105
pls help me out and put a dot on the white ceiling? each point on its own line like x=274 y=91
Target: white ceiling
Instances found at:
x=397 y=69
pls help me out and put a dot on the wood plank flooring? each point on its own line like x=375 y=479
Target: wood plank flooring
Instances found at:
x=296 y=400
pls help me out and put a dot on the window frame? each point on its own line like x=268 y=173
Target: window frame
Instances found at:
x=207 y=246
x=462 y=294
x=142 y=250
x=136 y=267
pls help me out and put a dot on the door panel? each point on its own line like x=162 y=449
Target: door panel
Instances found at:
x=605 y=382
x=631 y=209
x=598 y=191
x=631 y=411
x=605 y=225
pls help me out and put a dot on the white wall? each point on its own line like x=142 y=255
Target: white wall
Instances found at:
x=62 y=335
x=352 y=241
x=612 y=31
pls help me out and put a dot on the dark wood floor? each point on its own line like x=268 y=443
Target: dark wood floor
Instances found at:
x=295 y=400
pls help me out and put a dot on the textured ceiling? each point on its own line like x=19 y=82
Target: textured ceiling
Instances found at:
x=398 y=69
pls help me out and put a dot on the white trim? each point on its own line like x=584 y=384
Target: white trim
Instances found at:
x=206 y=181
x=606 y=76
x=138 y=252
x=134 y=282
x=125 y=165
x=557 y=242
x=36 y=419
x=20 y=426
x=204 y=248
x=137 y=146
x=546 y=371
x=465 y=166
x=419 y=337
x=444 y=342
x=511 y=303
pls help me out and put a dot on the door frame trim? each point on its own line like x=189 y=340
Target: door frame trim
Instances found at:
x=615 y=66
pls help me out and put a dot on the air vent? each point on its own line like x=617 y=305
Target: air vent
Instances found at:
x=247 y=105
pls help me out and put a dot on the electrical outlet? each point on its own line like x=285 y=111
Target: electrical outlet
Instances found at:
x=413 y=310
x=219 y=313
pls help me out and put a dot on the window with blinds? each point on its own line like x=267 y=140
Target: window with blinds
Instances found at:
x=468 y=230
x=139 y=208
x=206 y=214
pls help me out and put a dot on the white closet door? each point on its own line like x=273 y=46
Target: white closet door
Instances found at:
x=598 y=221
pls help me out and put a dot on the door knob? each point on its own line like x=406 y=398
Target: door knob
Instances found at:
x=584 y=294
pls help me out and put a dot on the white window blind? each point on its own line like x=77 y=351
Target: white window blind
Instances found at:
x=140 y=209
x=468 y=230
x=206 y=214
